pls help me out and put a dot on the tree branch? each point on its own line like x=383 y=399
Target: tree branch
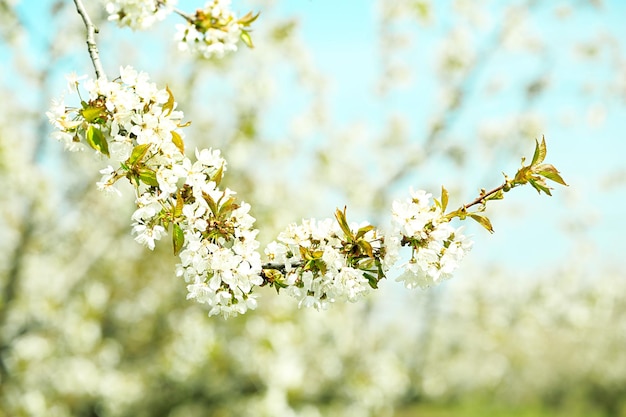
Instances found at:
x=91 y=39
x=484 y=196
x=281 y=267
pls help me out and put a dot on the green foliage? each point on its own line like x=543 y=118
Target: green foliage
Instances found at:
x=534 y=174
x=96 y=140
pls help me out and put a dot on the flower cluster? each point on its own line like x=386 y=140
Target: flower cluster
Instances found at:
x=437 y=247
x=326 y=261
x=214 y=30
x=129 y=120
x=139 y=14
x=219 y=260
x=134 y=123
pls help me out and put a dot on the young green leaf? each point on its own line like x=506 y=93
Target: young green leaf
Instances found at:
x=540 y=185
x=178 y=238
x=444 y=198
x=482 y=220
x=245 y=37
x=366 y=248
x=168 y=107
x=178 y=141
x=92 y=114
x=180 y=203
x=138 y=153
x=343 y=224
x=498 y=195
x=217 y=177
x=226 y=207
x=148 y=177
x=363 y=230
x=550 y=172
x=371 y=279
x=96 y=140
x=540 y=152
x=211 y=203
x=248 y=19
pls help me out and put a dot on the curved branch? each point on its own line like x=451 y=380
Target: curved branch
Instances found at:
x=92 y=48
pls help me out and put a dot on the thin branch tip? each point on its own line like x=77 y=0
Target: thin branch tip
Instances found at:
x=92 y=47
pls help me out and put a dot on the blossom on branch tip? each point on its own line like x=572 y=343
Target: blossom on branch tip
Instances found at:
x=214 y=30
x=139 y=14
x=436 y=246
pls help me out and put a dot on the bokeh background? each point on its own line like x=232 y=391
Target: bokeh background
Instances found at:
x=340 y=103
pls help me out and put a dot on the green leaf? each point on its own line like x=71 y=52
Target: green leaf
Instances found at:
x=522 y=176
x=96 y=140
x=444 y=198
x=138 y=154
x=371 y=280
x=168 y=107
x=211 y=203
x=219 y=174
x=148 y=176
x=245 y=37
x=178 y=238
x=540 y=152
x=363 y=230
x=343 y=224
x=248 y=19
x=482 y=220
x=540 y=185
x=367 y=264
x=550 y=172
x=178 y=141
x=226 y=207
x=92 y=114
x=305 y=254
x=180 y=202
x=366 y=248
x=498 y=195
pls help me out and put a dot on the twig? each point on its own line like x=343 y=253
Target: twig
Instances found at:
x=482 y=197
x=91 y=40
x=189 y=18
x=281 y=267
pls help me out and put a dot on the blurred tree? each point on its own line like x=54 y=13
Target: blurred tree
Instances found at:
x=91 y=324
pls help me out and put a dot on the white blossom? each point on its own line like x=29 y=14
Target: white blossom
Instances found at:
x=218 y=37
x=139 y=14
x=147 y=235
x=437 y=247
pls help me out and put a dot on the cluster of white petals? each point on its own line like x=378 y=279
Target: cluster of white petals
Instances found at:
x=139 y=14
x=437 y=246
x=219 y=258
x=136 y=125
x=221 y=271
x=128 y=111
x=330 y=276
x=215 y=32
